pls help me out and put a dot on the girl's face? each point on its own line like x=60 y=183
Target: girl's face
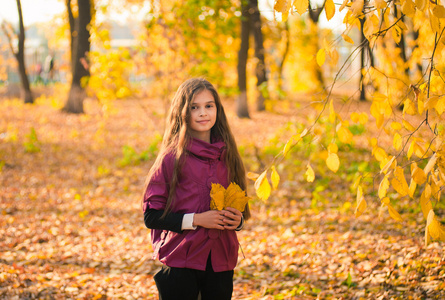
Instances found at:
x=202 y=115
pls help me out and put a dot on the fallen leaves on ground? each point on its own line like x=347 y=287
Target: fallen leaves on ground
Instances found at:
x=71 y=224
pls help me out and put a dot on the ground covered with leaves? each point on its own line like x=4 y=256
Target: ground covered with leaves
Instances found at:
x=71 y=223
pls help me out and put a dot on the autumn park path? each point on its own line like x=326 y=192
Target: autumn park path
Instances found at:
x=71 y=224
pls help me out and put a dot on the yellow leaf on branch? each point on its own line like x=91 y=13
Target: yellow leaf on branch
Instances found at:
x=262 y=187
x=430 y=165
x=332 y=148
x=330 y=9
x=435 y=229
x=361 y=203
x=439 y=11
x=344 y=135
x=357 y=7
x=280 y=5
x=399 y=182
x=383 y=187
x=408 y=126
x=412 y=188
x=409 y=107
x=397 y=141
x=343 y=5
x=425 y=202
x=408 y=7
x=331 y=112
x=380 y=4
x=420 y=4
x=275 y=177
x=333 y=162
x=394 y=214
x=347 y=39
x=252 y=176
x=310 y=175
x=321 y=57
x=333 y=54
x=288 y=146
x=418 y=175
x=363 y=119
x=440 y=106
x=390 y=163
x=301 y=6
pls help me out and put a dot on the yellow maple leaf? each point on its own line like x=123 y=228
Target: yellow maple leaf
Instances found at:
x=217 y=196
x=233 y=196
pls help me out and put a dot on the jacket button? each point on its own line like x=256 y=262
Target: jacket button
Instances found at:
x=210 y=181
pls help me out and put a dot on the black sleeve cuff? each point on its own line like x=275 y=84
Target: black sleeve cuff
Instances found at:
x=171 y=222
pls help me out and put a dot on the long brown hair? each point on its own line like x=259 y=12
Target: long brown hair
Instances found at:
x=176 y=137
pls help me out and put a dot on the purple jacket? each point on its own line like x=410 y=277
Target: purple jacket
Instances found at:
x=203 y=166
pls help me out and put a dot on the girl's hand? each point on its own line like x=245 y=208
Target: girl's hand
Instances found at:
x=232 y=218
x=212 y=219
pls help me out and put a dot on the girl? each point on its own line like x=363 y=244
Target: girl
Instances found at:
x=198 y=246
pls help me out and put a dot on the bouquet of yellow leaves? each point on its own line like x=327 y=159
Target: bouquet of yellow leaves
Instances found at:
x=233 y=196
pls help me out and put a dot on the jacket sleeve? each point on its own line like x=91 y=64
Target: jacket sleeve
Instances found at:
x=155 y=199
x=171 y=222
x=156 y=193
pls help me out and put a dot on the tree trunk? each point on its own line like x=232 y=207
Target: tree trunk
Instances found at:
x=242 y=109
x=364 y=43
x=314 y=16
x=284 y=56
x=20 y=56
x=416 y=45
x=402 y=44
x=81 y=47
x=73 y=34
x=260 y=69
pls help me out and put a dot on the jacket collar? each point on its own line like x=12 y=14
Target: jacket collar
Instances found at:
x=205 y=150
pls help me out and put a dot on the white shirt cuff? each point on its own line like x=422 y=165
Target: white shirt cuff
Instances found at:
x=187 y=222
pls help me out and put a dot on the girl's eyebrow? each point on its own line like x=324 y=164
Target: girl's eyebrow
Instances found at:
x=211 y=101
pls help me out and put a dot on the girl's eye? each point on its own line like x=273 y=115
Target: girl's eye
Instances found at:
x=209 y=105
x=194 y=107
